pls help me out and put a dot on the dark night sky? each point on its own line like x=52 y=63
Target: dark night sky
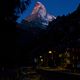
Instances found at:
x=60 y=7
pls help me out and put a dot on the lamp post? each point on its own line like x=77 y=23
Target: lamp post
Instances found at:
x=52 y=58
x=50 y=52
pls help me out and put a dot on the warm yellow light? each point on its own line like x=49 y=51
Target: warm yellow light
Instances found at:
x=41 y=59
x=40 y=56
x=50 y=52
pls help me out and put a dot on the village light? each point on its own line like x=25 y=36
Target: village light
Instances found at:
x=42 y=60
x=50 y=52
x=40 y=56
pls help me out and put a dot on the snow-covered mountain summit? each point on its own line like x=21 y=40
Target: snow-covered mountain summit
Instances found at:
x=38 y=17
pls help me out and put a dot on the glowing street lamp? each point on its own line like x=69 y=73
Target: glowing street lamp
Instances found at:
x=41 y=60
x=50 y=52
x=40 y=56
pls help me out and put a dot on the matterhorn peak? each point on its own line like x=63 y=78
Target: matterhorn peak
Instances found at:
x=39 y=16
x=39 y=11
x=39 y=7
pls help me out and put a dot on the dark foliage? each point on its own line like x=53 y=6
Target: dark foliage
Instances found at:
x=7 y=29
x=7 y=14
